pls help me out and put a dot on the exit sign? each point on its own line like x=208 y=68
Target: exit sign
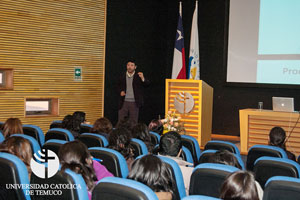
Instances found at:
x=78 y=73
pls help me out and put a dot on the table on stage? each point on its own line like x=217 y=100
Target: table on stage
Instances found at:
x=255 y=126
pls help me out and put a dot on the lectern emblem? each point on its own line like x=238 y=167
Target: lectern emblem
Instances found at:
x=184 y=102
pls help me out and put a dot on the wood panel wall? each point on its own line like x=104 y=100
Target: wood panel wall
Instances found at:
x=43 y=41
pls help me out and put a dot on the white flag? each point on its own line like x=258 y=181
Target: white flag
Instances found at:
x=194 y=57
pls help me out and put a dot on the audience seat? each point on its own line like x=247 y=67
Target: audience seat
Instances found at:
x=85 y=128
x=208 y=178
x=2 y=138
x=35 y=132
x=56 y=124
x=155 y=137
x=66 y=177
x=177 y=176
x=207 y=154
x=199 y=197
x=93 y=140
x=192 y=144
x=13 y=171
x=54 y=145
x=112 y=160
x=258 y=151
x=114 y=188
x=220 y=145
x=282 y=187
x=33 y=143
x=139 y=147
x=60 y=134
x=267 y=167
x=186 y=155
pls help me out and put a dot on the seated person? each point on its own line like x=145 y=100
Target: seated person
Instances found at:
x=140 y=131
x=227 y=158
x=19 y=147
x=154 y=173
x=102 y=126
x=119 y=140
x=240 y=185
x=68 y=124
x=170 y=146
x=12 y=126
x=76 y=157
x=156 y=126
x=277 y=138
x=80 y=116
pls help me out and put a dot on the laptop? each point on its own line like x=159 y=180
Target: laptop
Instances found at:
x=283 y=104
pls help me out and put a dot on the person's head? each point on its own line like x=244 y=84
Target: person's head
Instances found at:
x=154 y=173
x=225 y=157
x=240 y=185
x=131 y=66
x=140 y=131
x=170 y=144
x=119 y=140
x=102 y=125
x=12 y=126
x=277 y=137
x=19 y=147
x=67 y=122
x=80 y=116
x=156 y=126
x=125 y=123
x=76 y=157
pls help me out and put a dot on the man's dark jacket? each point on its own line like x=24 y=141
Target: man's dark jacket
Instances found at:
x=137 y=86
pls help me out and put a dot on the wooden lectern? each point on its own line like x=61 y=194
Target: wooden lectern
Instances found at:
x=255 y=126
x=198 y=121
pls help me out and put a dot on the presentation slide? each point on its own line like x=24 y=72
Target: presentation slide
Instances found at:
x=264 y=42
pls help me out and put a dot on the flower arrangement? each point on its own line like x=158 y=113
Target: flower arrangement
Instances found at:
x=172 y=123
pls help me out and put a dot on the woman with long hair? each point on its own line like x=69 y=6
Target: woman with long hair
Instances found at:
x=154 y=173
x=76 y=157
x=12 y=126
x=240 y=185
x=102 y=126
x=141 y=132
x=19 y=147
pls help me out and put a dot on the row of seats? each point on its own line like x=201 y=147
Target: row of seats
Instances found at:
x=206 y=180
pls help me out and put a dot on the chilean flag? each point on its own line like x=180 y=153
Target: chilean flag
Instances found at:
x=178 y=69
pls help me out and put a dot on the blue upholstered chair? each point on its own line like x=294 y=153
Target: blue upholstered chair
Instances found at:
x=177 y=176
x=114 y=188
x=155 y=137
x=112 y=160
x=187 y=156
x=2 y=138
x=35 y=132
x=208 y=178
x=282 y=187
x=139 y=147
x=93 y=140
x=219 y=145
x=67 y=177
x=258 y=151
x=199 y=197
x=54 y=145
x=13 y=171
x=56 y=124
x=192 y=144
x=85 y=128
x=33 y=143
x=60 y=134
x=266 y=167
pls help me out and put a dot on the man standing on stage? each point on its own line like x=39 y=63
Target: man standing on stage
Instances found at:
x=131 y=85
